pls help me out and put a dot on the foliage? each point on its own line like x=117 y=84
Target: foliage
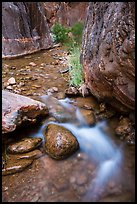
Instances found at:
x=68 y=36
x=60 y=33
x=75 y=73
x=77 y=30
x=71 y=38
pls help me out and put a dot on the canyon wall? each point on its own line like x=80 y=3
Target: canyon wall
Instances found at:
x=108 y=53
x=24 y=28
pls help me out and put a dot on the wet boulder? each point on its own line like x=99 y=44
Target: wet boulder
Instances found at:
x=108 y=53
x=17 y=109
x=24 y=28
x=24 y=145
x=89 y=116
x=59 y=142
x=124 y=126
x=61 y=111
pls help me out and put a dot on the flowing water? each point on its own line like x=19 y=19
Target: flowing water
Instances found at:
x=99 y=146
x=102 y=170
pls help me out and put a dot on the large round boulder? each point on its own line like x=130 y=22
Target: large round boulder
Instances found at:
x=59 y=142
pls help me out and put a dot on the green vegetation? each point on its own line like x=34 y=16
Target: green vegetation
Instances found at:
x=71 y=38
x=75 y=72
x=60 y=33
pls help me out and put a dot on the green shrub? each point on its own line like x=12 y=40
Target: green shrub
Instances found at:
x=60 y=33
x=71 y=38
x=77 y=30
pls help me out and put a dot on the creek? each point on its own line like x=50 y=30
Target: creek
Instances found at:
x=102 y=170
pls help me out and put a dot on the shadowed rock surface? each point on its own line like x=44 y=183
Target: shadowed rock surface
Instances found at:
x=66 y=13
x=16 y=109
x=108 y=53
x=24 y=28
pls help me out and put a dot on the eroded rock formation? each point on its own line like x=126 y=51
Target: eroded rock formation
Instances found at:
x=24 y=28
x=66 y=13
x=17 y=109
x=108 y=53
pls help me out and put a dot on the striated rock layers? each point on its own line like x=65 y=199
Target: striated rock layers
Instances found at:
x=108 y=53
x=24 y=28
x=17 y=109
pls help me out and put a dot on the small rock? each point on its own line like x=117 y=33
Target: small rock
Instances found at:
x=124 y=126
x=82 y=179
x=21 y=84
x=6 y=66
x=72 y=179
x=42 y=64
x=9 y=87
x=13 y=67
x=55 y=89
x=72 y=91
x=102 y=107
x=24 y=145
x=32 y=64
x=88 y=116
x=16 y=166
x=11 y=81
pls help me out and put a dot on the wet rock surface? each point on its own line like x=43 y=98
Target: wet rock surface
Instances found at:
x=108 y=50
x=15 y=166
x=70 y=182
x=125 y=130
x=59 y=142
x=57 y=110
x=88 y=116
x=24 y=145
x=17 y=108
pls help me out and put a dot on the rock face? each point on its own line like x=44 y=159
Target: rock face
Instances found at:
x=108 y=53
x=66 y=13
x=16 y=109
x=24 y=28
x=60 y=143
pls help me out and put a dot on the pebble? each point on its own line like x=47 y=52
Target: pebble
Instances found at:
x=9 y=87
x=55 y=89
x=11 y=81
x=72 y=179
x=32 y=64
x=82 y=179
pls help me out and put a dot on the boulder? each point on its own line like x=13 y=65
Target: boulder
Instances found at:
x=108 y=53
x=17 y=109
x=59 y=142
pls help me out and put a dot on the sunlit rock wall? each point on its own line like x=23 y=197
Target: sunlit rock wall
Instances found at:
x=108 y=52
x=24 y=28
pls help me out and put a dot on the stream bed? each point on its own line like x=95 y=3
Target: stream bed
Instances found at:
x=101 y=170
